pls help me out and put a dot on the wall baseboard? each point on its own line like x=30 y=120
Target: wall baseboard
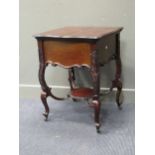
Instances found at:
x=28 y=91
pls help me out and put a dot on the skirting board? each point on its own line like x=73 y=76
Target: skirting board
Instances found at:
x=33 y=92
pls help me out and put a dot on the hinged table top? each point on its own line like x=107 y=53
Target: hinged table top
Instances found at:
x=80 y=32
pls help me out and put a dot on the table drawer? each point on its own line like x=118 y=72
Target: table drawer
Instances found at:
x=106 y=48
x=67 y=53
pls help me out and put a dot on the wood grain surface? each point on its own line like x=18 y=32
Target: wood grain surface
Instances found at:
x=67 y=53
x=80 y=32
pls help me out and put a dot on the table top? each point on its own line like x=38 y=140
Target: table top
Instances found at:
x=79 y=32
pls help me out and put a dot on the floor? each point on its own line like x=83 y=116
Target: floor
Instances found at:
x=71 y=130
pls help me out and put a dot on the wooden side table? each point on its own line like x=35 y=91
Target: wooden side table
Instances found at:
x=72 y=47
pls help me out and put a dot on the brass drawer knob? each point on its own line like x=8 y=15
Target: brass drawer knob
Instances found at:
x=106 y=47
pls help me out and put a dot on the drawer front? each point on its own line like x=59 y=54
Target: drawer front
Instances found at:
x=106 y=49
x=67 y=53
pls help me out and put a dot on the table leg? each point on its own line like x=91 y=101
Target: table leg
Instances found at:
x=45 y=90
x=116 y=83
x=96 y=81
x=71 y=77
x=97 y=106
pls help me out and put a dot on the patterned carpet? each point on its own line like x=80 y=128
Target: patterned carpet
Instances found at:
x=71 y=130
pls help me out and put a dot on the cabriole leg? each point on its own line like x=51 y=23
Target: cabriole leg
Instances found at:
x=97 y=106
x=44 y=101
x=71 y=77
x=118 y=95
x=96 y=82
x=71 y=80
x=116 y=83
x=45 y=90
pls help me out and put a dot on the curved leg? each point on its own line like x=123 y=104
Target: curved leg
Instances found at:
x=97 y=106
x=116 y=83
x=72 y=80
x=44 y=101
x=46 y=90
x=96 y=81
x=118 y=94
x=42 y=81
x=71 y=77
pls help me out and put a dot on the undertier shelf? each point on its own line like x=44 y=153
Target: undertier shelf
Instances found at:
x=82 y=92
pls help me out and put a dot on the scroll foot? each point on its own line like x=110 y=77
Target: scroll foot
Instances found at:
x=45 y=114
x=118 y=84
x=98 y=128
x=96 y=104
x=74 y=99
x=119 y=98
x=44 y=101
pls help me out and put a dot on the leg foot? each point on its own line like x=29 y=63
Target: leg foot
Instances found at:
x=97 y=115
x=98 y=128
x=74 y=99
x=119 y=94
x=45 y=114
x=119 y=98
x=44 y=101
x=118 y=84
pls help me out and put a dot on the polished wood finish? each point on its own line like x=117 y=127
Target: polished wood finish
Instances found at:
x=80 y=32
x=116 y=83
x=106 y=48
x=67 y=53
x=96 y=82
x=74 y=47
x=71 y=78
x=46 y=91
x=82 y=92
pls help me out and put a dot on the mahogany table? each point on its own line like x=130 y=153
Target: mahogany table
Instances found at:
x=75 y=47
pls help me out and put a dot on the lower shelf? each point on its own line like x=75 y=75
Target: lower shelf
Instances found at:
x=82 y=92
